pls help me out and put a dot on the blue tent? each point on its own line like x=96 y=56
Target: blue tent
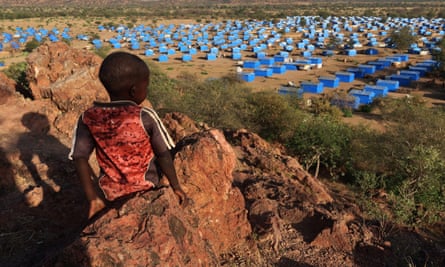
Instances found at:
x=97 y=43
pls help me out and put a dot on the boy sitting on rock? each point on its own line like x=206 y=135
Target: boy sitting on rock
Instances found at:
x=131 y=142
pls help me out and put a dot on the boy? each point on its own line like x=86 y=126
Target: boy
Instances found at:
x=131 y=142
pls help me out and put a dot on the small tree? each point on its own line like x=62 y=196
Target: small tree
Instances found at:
x=322 y=141
x=403 y=38
x=31 y=45
x=334 y=42
x=439 y=56
x=17 y=72
x=273 y=116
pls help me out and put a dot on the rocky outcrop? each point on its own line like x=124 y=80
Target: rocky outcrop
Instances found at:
x=7 y=88
x=289 y=210
x=66 y=76
x=152 y=229
x=57 y=71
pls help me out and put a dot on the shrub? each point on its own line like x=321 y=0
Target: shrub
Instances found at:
x=365 y=108
x=31 y=45
x=218 y=102
x=420 y=197
x=347 y=112
x=103 y=51
x=322 y=141
x=409 y=157
x=402 y=38
x=273 y=116
x=162 y=92
x=17 y=72
x=322 y=105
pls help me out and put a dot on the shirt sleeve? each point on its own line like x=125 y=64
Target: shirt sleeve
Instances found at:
x=159 y=137
x=83 y=142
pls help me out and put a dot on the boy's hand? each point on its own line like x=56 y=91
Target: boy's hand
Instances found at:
x=182 y=197
x=96 y=205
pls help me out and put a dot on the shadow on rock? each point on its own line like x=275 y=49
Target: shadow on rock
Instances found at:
x=286 y=262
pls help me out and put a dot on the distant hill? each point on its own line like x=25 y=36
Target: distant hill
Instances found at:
x=96 y=3
x=103 y=3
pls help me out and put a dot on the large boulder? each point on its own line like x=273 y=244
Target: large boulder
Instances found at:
x=151 y=228
x=51 y=64
x=68 y=77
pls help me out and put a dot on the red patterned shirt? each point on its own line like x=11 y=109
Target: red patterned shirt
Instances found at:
x=127 y=139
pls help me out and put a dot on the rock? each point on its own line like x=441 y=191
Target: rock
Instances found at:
x=7 y=88
x=257 y=155
x=337 y=236
x=180 y=125
x=151 y=227
x=66 y=76
x=77 y=92
x=205 y=164
x=52 y=63
x=34 y=196
x=281 y=198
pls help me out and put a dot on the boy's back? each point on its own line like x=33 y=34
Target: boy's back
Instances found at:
x=130 y=141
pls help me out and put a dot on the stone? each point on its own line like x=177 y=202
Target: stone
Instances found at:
x=7 y=88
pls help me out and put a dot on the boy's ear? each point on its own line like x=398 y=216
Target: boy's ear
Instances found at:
x=132 y=91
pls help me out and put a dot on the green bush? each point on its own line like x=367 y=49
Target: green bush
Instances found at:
x=409 y=158
x=31 y=45
x=273 y=116
x=402 y=38
x=162 y=92
x=103 y=51
x=218 y=102
x=225 y=102
x=322 y=141
x=347 y=112
x=17 y=72
x=420 y=196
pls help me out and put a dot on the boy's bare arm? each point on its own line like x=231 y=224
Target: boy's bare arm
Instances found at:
x=166 y=163
x=84 y=173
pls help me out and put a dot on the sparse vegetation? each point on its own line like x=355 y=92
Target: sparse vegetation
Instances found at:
x=265 y=11
x=407 y=161
x=31 y=45
x=402 y=38
x=17 y=72
x=439 y=56
x=103 y=51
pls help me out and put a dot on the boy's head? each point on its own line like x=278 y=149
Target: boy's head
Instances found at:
x=125 y=76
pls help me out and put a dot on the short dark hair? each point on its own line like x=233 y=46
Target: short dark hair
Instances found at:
x=120 y=71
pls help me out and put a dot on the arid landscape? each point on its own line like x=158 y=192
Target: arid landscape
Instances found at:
x=252 y=203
